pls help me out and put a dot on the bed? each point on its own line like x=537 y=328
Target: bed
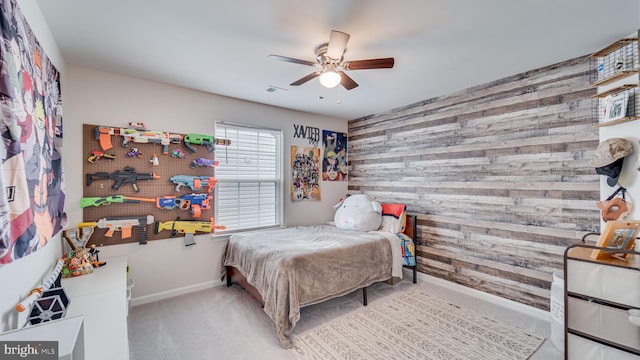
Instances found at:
x=286 y=269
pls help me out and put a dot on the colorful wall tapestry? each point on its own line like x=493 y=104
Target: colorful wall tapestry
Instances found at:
x=32 y=200
x=305 y=173
x=334 y=159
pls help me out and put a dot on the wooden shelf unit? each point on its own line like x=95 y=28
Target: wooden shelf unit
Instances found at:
x=613 y=78
x=617 y=63
x=613 y=47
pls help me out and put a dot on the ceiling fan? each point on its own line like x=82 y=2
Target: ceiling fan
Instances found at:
x=331 y=65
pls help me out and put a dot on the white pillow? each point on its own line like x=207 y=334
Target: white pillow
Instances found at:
x=358 y=212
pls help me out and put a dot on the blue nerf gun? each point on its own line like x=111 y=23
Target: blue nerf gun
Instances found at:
x=196 y=183
x=195 y=202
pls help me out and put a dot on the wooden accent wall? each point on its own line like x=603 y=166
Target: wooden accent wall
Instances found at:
x=498 y=175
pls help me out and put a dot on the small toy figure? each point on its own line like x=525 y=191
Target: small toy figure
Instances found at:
x=154 y=160
x=94 y=258
x=76 y=263
x=134 y=153
x=178 y=154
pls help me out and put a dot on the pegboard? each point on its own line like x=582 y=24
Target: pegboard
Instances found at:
x=167 y=167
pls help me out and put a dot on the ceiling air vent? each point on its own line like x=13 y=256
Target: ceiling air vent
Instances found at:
x=273 y=89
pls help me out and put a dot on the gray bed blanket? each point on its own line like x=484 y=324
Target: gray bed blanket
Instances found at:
x=304 y=265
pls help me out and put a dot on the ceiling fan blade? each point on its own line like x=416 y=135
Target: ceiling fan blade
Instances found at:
x=306 y=78
x=292 y=60
x=347 y=81
x=384 y=63
x=337 y=44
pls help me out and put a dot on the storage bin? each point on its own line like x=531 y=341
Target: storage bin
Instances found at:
x=557 y=310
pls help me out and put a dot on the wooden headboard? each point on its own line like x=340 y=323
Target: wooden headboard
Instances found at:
x=410 y=228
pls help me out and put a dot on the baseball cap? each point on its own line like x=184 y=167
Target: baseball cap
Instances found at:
x=612 y=170
x=611 y=150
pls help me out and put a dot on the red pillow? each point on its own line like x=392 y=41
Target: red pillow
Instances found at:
x=394 y=217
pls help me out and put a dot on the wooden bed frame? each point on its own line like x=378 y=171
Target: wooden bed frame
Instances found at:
x=234 y=275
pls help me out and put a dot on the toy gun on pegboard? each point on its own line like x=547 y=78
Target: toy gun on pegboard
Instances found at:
x=123 y=224
x=195 y=202
x=97 y=155
x=202 y=162
x=207 y=141
x=128 y=175
x=196 y=183
x=106 y=200
x=136 y=133
x=188 y=228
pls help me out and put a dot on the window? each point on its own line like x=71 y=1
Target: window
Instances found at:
x=249 y=189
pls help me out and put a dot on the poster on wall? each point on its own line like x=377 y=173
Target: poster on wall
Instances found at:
x=334 y=158
x=305 y=173
x=32 y=200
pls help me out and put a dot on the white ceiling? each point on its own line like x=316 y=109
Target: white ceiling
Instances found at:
x=439 y=46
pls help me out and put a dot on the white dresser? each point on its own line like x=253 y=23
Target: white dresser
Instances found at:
x=598 y=295
x=101 y=297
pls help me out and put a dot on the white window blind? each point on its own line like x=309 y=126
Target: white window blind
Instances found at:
x=249 y=189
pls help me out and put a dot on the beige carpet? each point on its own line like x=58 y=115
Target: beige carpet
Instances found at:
x=415 y=325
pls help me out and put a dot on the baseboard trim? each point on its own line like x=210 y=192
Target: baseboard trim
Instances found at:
x=510 y=304
x=494 y=299
x=173 y=292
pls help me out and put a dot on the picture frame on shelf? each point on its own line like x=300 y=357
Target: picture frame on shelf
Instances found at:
x=617 y=235
x=616 y=106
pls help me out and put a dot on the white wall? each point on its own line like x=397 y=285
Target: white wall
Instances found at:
x=630 y=174
x=20 y=276
x=165 y=268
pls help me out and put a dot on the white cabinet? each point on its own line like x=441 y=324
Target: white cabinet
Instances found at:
x=598 y=295
x=68 y=332
x=101 y=297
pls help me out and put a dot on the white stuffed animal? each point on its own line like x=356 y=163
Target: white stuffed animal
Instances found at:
x=358 y=212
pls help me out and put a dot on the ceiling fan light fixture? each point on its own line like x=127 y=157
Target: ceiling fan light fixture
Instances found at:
x=330 y=79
